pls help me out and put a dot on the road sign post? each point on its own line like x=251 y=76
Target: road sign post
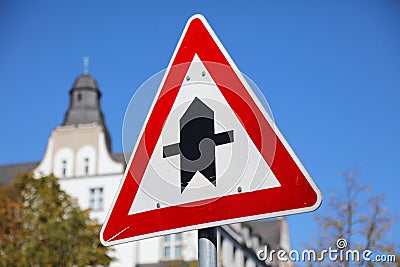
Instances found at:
x=207 y=254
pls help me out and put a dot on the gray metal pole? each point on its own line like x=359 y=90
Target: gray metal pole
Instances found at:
x=208 y=247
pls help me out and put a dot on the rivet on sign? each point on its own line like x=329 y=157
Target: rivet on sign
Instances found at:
x=158 y=205
x=203 y=73
x=187 y=78
x=239 y=189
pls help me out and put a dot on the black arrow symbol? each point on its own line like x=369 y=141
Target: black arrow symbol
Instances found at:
x=197 y=143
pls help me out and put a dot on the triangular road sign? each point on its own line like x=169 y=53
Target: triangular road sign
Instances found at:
x=208 y=153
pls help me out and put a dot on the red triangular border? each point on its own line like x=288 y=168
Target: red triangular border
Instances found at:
x=297 y=192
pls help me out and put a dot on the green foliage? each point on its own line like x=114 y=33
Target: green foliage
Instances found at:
x=40 y=225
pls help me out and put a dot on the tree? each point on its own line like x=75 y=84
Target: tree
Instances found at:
x=41 y=225
x=359 y=220
x=11 y=232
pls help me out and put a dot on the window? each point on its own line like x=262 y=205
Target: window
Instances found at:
x=178 y=251
x=96 y=198
x=86 y=166
x=64 y=168
x=178 y=238
x=172 y=247
x=167 y=252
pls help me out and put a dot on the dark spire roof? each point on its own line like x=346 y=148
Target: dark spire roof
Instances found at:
x=84 y=104
x=85 y=81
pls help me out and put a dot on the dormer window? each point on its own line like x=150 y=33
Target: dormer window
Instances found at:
x=63 y=162
x=64 y=168
x=86 y=166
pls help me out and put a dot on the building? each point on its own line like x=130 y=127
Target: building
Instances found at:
x=79 y=153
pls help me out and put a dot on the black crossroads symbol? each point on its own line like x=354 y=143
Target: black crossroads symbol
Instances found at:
x=197 y=143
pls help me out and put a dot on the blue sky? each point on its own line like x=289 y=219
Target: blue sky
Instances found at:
x=330 y=71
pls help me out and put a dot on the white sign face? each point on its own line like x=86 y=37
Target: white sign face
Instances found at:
x=238 y=164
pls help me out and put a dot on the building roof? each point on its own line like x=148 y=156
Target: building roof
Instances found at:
x=10 y=172
x=120 y=157
x=85 y=81
x=269 y=231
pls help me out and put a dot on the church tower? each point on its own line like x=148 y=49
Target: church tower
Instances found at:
x=81 y=146
x=79 y=154
x=84 y=105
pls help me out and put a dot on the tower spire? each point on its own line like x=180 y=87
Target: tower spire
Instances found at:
x=84 y=104
x=85 y=65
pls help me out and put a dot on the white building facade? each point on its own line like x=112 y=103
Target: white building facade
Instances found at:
x=79 y=153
